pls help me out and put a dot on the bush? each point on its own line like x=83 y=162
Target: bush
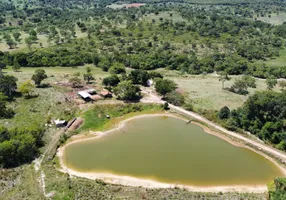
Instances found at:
x=189 y=107
x=166 y=106
x=224 y=113
x=175 y=98
x=112 y=80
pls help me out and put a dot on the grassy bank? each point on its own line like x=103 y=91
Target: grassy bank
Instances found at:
x=95 y=118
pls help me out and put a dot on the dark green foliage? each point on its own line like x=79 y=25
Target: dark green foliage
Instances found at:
x=104 y=65
x=279 y=190
x=125 y=90
x=164 y=86
x=264 y=115
x=75 y=81
x=112 y=80
x=175 y=98
x=117 y=68
x=139 y=76
x=241 y=85
x=271 y=81
x=166 y=106
x=39 y=76
x=88 y=76
x=4 y=111
x=224 y=113
x=154 y=74
x=19 y=146
x=52 y=57
x=8 y=85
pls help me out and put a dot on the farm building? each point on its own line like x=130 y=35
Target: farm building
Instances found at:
x=106 y=94
x=60 y=123
x=84 y=94
x=96 y=97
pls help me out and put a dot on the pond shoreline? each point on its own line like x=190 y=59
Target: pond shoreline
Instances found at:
x=149 y=183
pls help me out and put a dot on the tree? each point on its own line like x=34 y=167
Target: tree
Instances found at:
x=75 y=81
x=249 y=80
x=4 y=111
x=8 y=85
x=26 y=88
x=117 y=68
x=16 y=66
x=175 y=98
x=2 y=66
x=239 y=87
x=16 y=36
x=224 y=113
x=271 y=81
x=138 y=76
x=39 y=76
x=33 y=35
x=164 y=86
x=88 y=76
x=10 y=42
x=29 y=42
x=166 y=106
x=125 y=90
x=112 y=80
x=223 y=76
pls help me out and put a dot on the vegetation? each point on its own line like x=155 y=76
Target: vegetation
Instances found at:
x=164 y=86
x=126 y=91
x=39 y=76
x=277 y=189
x=201 y=55
x=263 y=114
x=19 y=146
x=93 y=122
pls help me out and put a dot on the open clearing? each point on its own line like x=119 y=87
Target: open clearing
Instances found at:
x=279 y=61
x=275 y=19
x=51 y=101
x=205 y=92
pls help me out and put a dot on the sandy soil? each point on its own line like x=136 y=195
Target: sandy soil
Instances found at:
x=132 y=181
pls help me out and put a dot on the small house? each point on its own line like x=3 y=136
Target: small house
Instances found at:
x=106 y=94
x=150 y=82
x=60 y=123
x=84 y=95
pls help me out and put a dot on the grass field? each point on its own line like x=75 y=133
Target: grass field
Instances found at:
x=279 y=61
x=51 y=101
x=206 y=92
x=275 y=19
x=42 y=41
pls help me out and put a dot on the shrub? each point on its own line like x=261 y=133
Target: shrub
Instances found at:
x=175 y=98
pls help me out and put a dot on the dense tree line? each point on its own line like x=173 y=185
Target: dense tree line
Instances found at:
x=19 y=146
x=263 y=115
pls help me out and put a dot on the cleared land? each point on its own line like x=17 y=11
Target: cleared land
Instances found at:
x=49 y=102
x=275 y=19
x=205 y=92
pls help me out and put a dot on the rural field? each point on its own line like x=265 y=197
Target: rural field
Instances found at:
x=205 y=91
x=117 y=100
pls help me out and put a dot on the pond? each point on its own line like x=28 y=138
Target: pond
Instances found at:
x=169 y=150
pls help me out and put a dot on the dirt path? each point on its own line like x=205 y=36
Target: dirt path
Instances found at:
x=151 y=97
x=39 y=161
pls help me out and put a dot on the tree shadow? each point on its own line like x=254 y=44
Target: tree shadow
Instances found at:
x=44 y=85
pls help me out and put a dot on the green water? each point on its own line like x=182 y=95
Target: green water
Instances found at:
x=169 y=150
